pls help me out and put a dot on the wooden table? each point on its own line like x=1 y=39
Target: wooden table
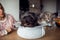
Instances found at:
x=50 y=35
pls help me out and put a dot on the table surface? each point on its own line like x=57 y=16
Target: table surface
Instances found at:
x=53 y=34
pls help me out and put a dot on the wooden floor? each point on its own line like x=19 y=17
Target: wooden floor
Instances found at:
x=50 y=35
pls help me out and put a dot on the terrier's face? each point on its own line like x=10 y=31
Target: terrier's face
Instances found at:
x=29 y=20
x=25 y=18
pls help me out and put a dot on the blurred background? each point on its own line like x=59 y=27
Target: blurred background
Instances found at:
x=11 y=7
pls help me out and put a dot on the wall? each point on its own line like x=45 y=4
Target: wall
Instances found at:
x=11 y=7
x=49 y=5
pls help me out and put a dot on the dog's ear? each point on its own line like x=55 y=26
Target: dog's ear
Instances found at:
x=20 y=14
x=23 y=14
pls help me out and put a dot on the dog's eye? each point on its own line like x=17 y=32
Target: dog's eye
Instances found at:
x=28 y=24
